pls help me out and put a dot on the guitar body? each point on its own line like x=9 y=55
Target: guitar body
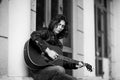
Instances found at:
x=36 y=59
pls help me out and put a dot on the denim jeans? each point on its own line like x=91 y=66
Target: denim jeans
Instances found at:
x=51 y=73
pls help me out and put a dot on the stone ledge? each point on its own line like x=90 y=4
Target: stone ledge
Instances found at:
x=30 y=78
x=15 y=78
x=91 y=78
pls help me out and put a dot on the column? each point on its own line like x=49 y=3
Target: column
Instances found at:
x=19 y=29
x=89 y=35
x=115 y=39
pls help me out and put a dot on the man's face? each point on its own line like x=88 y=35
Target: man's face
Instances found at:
x=59 y=27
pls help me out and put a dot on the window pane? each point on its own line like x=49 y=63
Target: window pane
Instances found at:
x=99 y=67
x=105 y=33
x=99 y=42
x=40 y=13
x=99 y=19
x=67 y=8
x=54 y=8
x=100 y=1
x=105 y=3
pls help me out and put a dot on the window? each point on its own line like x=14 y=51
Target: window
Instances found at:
x=46 y=10
x=101 y=42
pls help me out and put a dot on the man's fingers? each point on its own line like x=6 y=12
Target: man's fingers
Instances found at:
x=55 y=57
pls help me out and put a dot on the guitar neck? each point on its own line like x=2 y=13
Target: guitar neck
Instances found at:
x=59 y=51
x=68 y=59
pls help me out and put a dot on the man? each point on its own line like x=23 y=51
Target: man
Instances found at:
x=56 y=30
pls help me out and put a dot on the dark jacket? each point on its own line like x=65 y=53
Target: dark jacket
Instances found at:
x=45 y=35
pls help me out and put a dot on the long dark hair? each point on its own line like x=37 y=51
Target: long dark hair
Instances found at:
x=55 y=21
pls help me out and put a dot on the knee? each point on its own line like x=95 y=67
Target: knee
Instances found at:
x=60 y=69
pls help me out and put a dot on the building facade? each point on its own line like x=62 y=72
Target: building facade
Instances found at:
x=93 y=35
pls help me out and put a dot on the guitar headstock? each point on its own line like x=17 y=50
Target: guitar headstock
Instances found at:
x=89 y=67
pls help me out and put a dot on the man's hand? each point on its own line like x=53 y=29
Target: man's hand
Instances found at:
x=51 y=53
x=80 y=64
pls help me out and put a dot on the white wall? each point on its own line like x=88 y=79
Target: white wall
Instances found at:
x=115 y=39
x=19 y=31
x=83 y=35
x=89 y=35
x=78 y=34
x=3 y=37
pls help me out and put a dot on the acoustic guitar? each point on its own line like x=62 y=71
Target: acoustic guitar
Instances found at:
x=35 y=58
